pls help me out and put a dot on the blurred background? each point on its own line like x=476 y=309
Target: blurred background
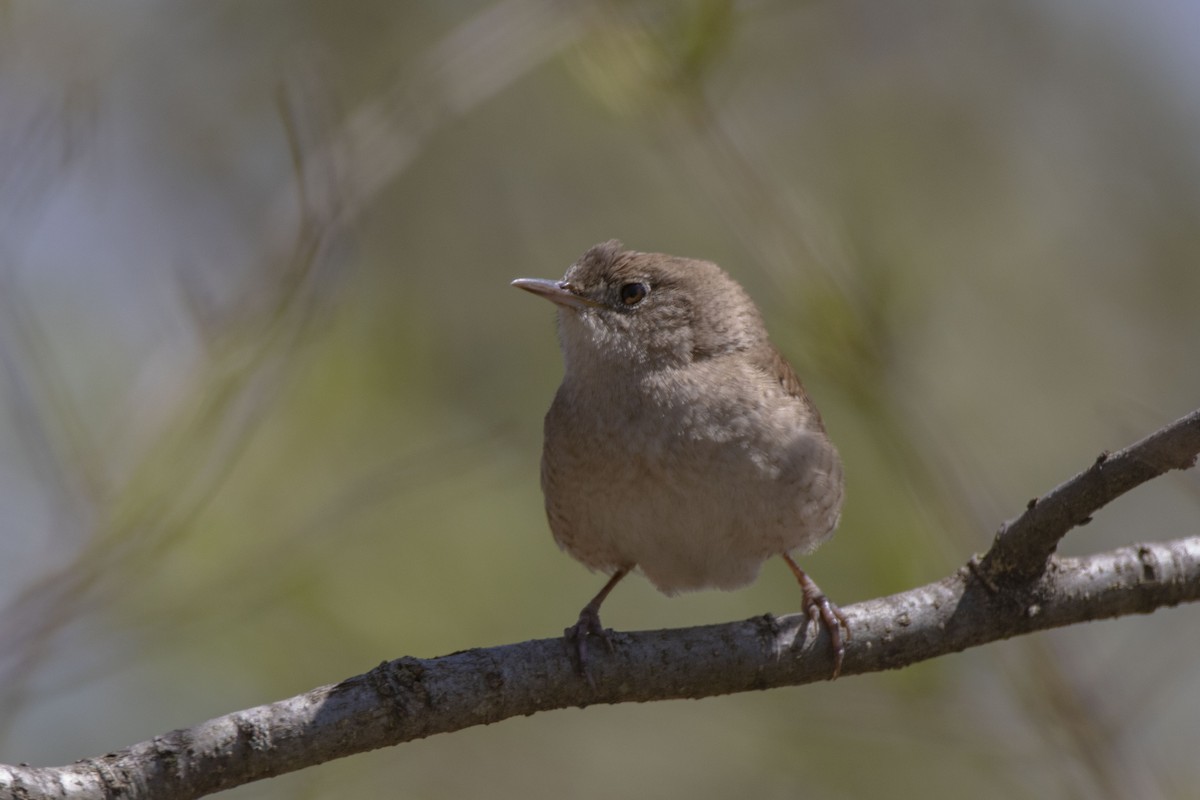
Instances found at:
x=271 y=414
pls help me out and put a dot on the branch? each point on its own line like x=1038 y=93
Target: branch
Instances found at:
x=1024 y=545
x=412 y=698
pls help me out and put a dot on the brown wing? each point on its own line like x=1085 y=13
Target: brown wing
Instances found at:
x=774 y=364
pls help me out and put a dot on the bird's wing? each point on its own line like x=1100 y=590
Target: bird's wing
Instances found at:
x=772 y=362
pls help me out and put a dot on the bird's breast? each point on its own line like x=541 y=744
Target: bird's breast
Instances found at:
x=696 y=492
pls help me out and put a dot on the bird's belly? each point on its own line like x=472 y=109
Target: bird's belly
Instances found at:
x=684 y=529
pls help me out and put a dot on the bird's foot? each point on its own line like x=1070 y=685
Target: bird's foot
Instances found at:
x=577 y=637
x=822 y=611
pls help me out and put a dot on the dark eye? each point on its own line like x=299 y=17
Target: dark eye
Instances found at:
x=634 y=293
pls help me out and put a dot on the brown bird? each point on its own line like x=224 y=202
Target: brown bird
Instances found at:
x=680 y=442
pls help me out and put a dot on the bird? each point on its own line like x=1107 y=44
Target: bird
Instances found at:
x=680 y=443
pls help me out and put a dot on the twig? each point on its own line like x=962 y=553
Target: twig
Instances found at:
x=1024 y=545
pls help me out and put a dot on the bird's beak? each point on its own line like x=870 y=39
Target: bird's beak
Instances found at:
x=557 y=292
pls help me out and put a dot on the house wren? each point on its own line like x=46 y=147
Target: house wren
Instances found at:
x=680 y=442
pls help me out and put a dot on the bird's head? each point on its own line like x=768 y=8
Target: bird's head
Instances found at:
x=646 y=311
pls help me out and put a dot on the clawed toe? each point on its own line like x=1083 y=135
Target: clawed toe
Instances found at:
x=577 y=637
x=822 y=611
x=589 y=625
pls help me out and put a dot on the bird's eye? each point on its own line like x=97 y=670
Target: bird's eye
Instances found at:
x=634 y=293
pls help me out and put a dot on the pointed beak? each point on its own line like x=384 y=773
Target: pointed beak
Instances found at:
x=558 y=292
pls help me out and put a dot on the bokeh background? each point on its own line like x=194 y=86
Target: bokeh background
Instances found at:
x=270 y=412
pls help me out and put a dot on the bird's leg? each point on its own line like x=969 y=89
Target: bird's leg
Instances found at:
x=589 y=625
x=822 y=612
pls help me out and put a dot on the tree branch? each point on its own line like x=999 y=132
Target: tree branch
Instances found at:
x=412 y=698
x=1024 y=545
